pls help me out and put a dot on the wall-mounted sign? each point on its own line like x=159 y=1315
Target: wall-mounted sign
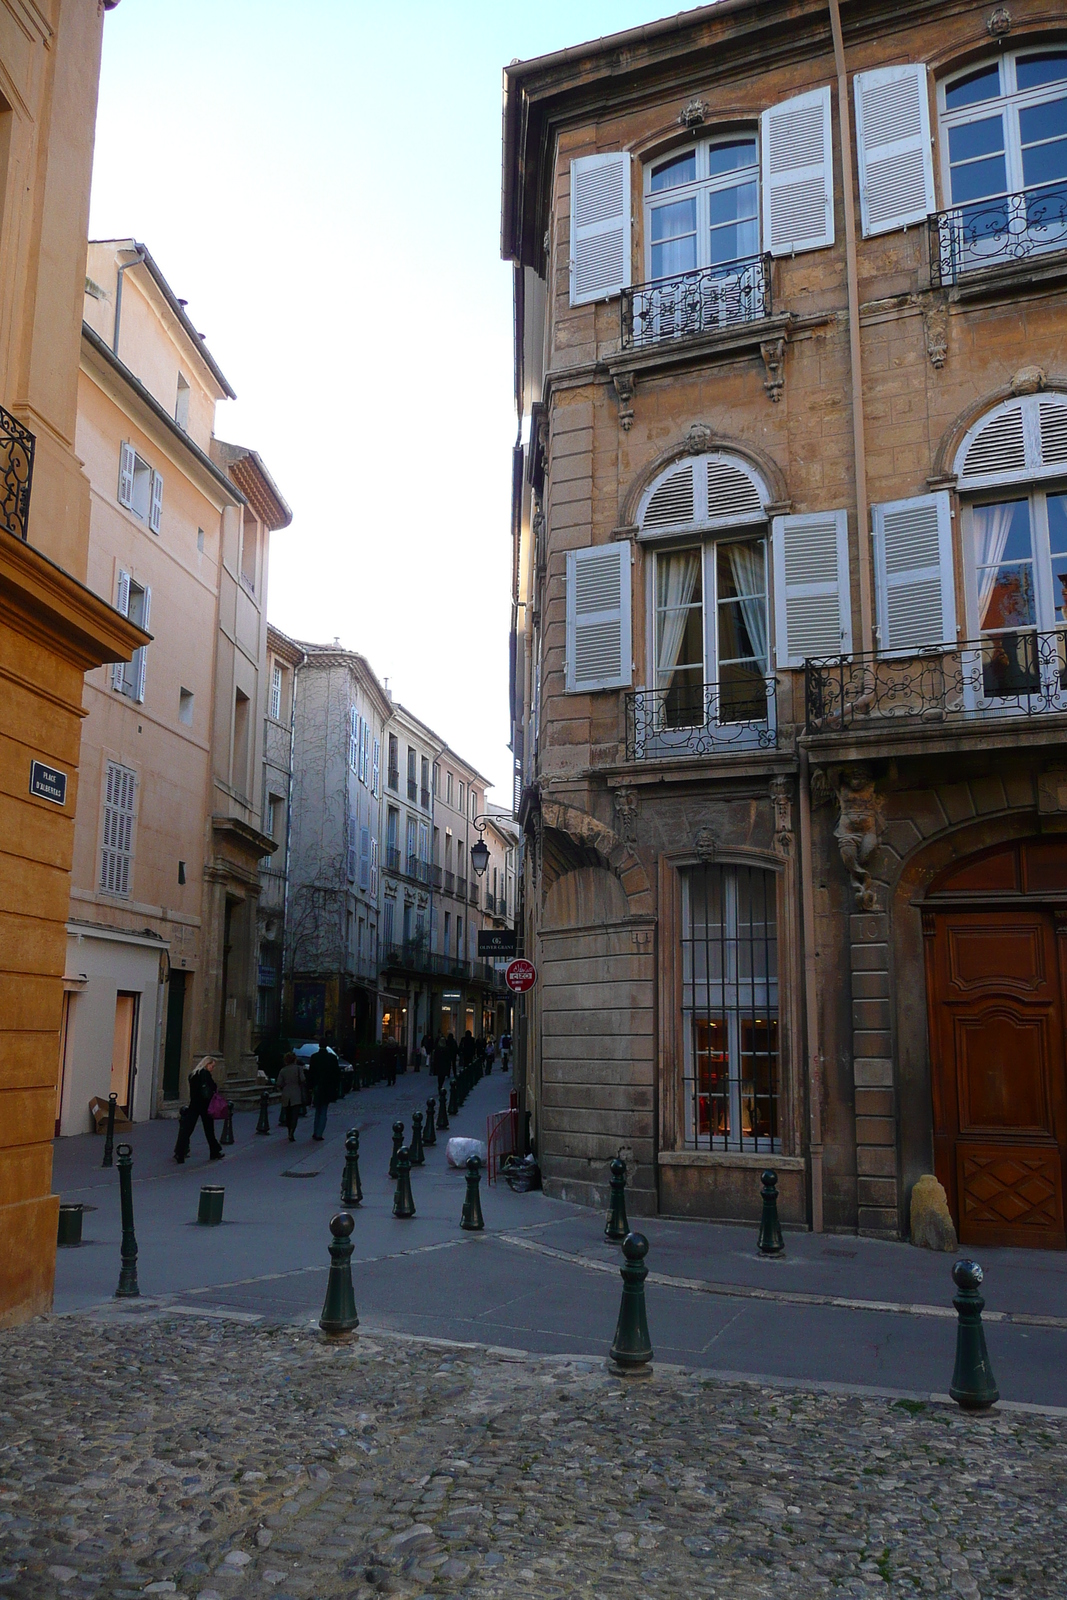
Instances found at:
x=496 y=941
x=48 y=783
x=451 y=997
x=520 y=975
x=267 y=977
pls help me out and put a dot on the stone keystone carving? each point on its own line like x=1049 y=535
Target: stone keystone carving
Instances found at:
x=698 y=439
x=705 y=844
x=999 y=22
x=935 y=325
x=694 y=114
x=773 y=353
x=860 y=824
x=625 y=384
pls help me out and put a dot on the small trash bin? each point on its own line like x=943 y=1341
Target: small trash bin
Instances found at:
x=211 y=1197
x=70 y=1223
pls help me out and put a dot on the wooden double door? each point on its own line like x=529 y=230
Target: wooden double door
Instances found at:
x=996 y=984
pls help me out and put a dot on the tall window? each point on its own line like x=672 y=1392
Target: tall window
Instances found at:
x=134 y=600
x=702 y=207
x=1019 y=563
x=730 y=1009
x=276 y=691
x=393 y=774
x=711 y=632
x=413 y=781
x=1004 y=155
x=116 y=854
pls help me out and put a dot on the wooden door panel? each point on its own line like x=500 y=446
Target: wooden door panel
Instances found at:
x=1010 y=1194
x=998 y=958
x=1003 y=1065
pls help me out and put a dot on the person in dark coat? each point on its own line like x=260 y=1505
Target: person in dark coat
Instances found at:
x=202 y=1087
x=453 y=1054
x=466 y=1049
x=440 y=1062
x=324 y=1086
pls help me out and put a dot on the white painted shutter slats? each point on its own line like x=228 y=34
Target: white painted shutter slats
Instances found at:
x=913 y=573
x=813 y=613
x=139 y=663
x=116 y=854
x=122 y=604
x=156 y=510
x=126 y=461
x=797 y=162
x=893 y=144
x=598 y=618
x=732 y=496
x=672 y=504
x=999 y=447
x=600 y=226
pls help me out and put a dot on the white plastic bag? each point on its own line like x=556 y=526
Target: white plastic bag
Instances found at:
x=458 y=1151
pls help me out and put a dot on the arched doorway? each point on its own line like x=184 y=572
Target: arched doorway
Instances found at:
x=995 y=928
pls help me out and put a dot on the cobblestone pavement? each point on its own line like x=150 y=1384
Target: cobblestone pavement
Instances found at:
x=158 y=1454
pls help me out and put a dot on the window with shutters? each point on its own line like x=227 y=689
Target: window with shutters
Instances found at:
x=1003 y=136
x=893 y=143
x=140 y=487
x=353 y=739
x=134 y=600
x=600 y=226
x=116 y=852
x=276 y=691
x=598 y=640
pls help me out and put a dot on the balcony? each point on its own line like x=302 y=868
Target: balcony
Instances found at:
x=696 y=302
x=16 y=474
x=719 y=719
x=461 y=888
x=393 y=779
x=474 y=894
x=490 y=901
x=413 y=789
x=450 y=882
x=424 y=799
x=1012 y=675
x=392 y=858
x=435 y=877
x=996 y=233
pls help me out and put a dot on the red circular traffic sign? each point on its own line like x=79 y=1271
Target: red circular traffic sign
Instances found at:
x=520 y=975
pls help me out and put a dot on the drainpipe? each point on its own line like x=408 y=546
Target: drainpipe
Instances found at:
x=859 y=451
x=124 y=267
x=811 y=996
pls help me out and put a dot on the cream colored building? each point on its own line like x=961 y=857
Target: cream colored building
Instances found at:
x=161 y=959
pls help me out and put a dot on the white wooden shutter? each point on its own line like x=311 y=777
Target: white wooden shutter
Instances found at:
x=797 y=163
x=914 y=574
x=126 y=463
x=156 y=510
x=122 y=603
x=598 y=618
x=376 y=768
x=812 y=604
x=140 y=659
x=893 y=145
x=600 y=226
x=374 y=868
x=364 y=859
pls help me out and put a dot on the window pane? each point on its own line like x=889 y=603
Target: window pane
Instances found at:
x=979 y=180
x=981 y=85
x=1057 y=538
x=1030 y=71
x=728 y=157
x=1045 y=163
x=972 y=139
x=733 y=204
x=1044 y=140
x=669 y=174
x=1006 y=596
x=674 y=239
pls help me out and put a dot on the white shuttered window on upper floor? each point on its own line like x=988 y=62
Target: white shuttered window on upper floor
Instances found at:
x=600 y=226
x=813 y=612
x=798 y=174
x=893 y=144
x=913 y=573
x=598 y=618
x=116 y=852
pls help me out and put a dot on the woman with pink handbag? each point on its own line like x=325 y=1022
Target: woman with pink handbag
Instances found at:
x=205 y=1103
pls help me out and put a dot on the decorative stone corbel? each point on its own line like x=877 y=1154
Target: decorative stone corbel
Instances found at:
x=782 y=800
x=860 y=824
x=625 y=384
x=935 y=327
x=694 y=114
x=625 y=814
x=706 y=844
x=773 y=353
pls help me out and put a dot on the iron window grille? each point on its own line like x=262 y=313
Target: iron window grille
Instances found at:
x=702 y=720
x=17 y=445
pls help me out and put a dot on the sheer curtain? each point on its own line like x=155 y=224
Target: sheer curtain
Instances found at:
x=676 y=581
x=992 y=525
x=746 y=567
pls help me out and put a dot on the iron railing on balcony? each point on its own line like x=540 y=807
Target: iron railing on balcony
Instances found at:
x=450 y=882
x=424 y=799
x=17 y=445
x=990 y=233
x=718 y=719
x=474 y=894
x=392 y=858
x=435 y=876
x=1002 y=675
x=461 y=887
x=696 y=302
x=413 y=789
x=490 y=901
x=393 y=778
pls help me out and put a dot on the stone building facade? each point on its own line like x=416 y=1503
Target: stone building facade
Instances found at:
x=788 y=659
x=284 y=660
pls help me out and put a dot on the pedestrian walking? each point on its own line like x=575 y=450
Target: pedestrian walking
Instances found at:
x=324 y=1086
x=427 y=1048
x=440 y=1061
x=466 y=1049
x=490 y=1053
x=505 y=1049
x=202 y=1090
x=290 y=1085
x=452 y=1046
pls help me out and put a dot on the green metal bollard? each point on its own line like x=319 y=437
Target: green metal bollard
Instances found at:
x=227 y=1126
x=770 y=1241
x=339 y=1308
x=403 y=1203
x=632 y=1346
x=442 y=1112
x=109 y=1136
x=472 y=1218
x=351 y=1188
x=973 y=1387
x=127 y=1289
x=398 y=1140
x=263 y=1125
x=429 y=1132
x=209 y=1211
x=415 y=1150
x=617 y=1226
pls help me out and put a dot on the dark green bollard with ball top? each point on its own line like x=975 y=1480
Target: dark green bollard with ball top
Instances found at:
x=339 y=1308
x=403 y=1201
x=973 y=1387
x=263 y=1125
x=429 y=1132
x=127 y=1289
x=398 y=1140
x=632 y=1346
x=109 y=1135
x=472 y=1218
x=617 y=1226
x=415 y=1148
x=442 y=1112
x=453 y=1097
x=351 y=1188
x=770 y=1241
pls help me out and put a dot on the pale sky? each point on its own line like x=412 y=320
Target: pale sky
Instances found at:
x=321 y=182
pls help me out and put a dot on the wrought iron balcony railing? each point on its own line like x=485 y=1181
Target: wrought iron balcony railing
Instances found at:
x=16 y=473
x=413 y=789
x=696 y=302
x=424 y=799
x=435 y=876
x=490 y=900
x=393 y=779
x=450 y=881
x=718 y=719
x=990 y=233
x=1002 y=675
x=392 y=858
x=461 y=887
x=474 y=894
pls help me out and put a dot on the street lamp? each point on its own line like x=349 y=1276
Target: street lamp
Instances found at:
x=479 y=849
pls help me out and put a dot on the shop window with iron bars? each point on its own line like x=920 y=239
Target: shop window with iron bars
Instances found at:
x=730 y=1009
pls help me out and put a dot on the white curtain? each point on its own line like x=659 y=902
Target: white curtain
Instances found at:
x=676 y=581
x=992 y=525
x=746 y=567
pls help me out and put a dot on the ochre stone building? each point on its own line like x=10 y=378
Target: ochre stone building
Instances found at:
x=790 y=674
